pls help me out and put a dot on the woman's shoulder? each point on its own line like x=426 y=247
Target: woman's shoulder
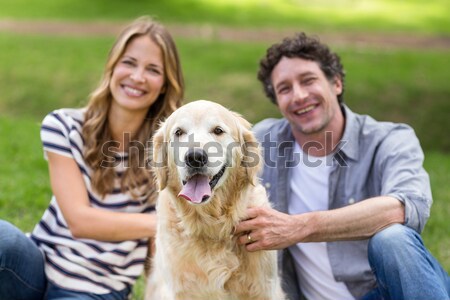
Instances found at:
x=67 y=117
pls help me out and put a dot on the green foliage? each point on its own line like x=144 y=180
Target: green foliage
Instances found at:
x=324 y=15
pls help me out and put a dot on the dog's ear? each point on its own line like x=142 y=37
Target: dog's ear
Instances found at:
x=252 y=159
x=160 y=157
x=251 y=152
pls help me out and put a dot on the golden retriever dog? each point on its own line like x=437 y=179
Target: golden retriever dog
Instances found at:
x=206 y=161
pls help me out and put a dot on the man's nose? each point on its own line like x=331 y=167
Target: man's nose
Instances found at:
x=299 y=93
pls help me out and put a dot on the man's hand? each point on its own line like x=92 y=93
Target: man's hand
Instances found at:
x=268 y=229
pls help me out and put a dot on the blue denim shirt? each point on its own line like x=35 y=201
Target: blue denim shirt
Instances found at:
x=373 y=159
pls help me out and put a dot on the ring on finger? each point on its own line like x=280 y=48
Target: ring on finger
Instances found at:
x=249 y=238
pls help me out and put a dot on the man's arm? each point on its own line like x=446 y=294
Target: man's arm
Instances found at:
x=403 y=176
x=270 y=229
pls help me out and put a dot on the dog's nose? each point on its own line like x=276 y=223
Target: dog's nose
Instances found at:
x=196 y=158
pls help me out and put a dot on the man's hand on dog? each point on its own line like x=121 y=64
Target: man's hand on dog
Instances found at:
x=269 y=229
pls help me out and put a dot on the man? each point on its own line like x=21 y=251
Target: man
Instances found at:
x=350 y=194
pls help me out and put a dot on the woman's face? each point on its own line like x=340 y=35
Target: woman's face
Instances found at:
x=138 y=76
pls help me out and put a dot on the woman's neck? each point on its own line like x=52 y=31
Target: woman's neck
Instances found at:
x=124 y=126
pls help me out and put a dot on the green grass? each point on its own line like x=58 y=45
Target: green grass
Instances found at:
x=39 y=74
x=435 y=235
x=416 y=16
x=408 y=86
x=24 y=186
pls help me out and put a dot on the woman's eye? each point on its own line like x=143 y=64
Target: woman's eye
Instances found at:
x=127 y=62
x=179 y=132
x=218 y=131
x=153 y=70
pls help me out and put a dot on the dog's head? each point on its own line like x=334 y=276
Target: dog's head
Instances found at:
x=201 y=146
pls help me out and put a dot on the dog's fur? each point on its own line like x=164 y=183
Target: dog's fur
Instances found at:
x=197 y=256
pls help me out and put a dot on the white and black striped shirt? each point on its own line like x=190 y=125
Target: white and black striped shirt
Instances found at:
x=82 y=264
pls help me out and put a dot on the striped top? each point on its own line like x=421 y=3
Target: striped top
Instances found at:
x=82 y=264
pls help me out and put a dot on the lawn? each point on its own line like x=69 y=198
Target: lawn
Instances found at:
x=389 y=16
x=42 y=73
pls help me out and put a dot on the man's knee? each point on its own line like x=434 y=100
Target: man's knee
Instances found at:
x=392 y=242
x=396 y=235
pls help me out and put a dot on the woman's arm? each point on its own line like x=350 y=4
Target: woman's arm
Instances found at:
x=85 y=221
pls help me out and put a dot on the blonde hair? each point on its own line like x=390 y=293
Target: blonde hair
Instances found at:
x=96 y=131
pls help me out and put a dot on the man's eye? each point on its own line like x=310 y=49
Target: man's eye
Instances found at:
x=283 y=90
x=218 y=130
x=308 y=81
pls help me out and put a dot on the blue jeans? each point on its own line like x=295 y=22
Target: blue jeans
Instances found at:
x=404 y=268
x=22 y=275
x=56 y=293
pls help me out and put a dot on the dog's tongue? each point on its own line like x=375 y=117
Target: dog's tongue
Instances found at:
x=196 y=189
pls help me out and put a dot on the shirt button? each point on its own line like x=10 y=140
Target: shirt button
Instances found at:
x=351 y=201
x=267 y=185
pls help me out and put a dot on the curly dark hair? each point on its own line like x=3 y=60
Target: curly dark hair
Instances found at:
x=305 y=47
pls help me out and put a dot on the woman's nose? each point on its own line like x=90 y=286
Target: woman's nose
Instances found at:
x=137 y=75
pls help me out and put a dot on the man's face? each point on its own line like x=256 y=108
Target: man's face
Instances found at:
x=305 y=97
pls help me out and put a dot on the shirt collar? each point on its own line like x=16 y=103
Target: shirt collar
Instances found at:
x=350 y=139
x=285 y=132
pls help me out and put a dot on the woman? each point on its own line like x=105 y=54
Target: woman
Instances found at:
x=94 y=233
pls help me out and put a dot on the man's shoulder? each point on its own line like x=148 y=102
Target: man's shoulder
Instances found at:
x=270 y=125
x=364 y=133
x=375 y=129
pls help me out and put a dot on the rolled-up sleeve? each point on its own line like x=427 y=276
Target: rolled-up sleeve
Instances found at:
x=400 y=162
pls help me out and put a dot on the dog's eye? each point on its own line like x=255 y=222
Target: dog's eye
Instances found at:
x=179 y=132
x=218 y=130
